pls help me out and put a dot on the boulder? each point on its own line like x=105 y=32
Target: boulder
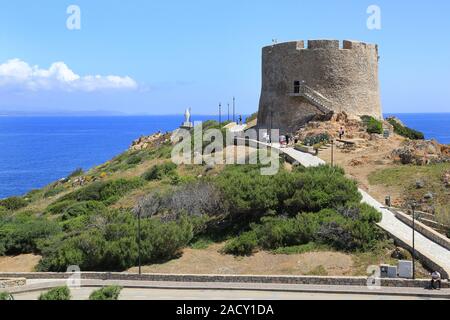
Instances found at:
x=420 y=184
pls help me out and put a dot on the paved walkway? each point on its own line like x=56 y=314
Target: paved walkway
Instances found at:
x=179 y=290
x=426 y=247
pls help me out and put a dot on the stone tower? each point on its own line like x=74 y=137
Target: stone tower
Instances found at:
x=303 y=84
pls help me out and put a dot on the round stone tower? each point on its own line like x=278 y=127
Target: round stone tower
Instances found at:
x=303 y=84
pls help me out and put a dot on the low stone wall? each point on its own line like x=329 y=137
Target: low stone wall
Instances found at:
x=12 y=282
x=424 y=230
x=326 y=281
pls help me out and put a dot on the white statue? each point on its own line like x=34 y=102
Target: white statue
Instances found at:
x=187 y=119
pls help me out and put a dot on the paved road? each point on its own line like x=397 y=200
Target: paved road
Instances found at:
x=428 y=248
x=175 y=294
x=151 y=290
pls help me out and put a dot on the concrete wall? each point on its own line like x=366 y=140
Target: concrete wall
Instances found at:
x=331 y=281
x=346 y=76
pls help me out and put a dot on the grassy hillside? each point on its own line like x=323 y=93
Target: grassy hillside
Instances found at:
x=90 y=218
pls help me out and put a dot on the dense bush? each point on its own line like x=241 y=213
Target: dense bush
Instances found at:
x=320 y=188
x=82 y=209
x=373 y=125
x=244 y=245
x=317 y=139
x=405 y=131
x=329 y=227
x=108 y=242
x=106 y=293
x=5 y=296
x=107 y=192
x=159 y=172
x=56 y=294
x=76 y=173
x=13 y=203
x=22 y=233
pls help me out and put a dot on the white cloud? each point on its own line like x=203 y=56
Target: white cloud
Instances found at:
x=20 y=75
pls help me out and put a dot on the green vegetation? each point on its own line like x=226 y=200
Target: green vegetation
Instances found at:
x=56 y=294
x=405 y=131
x=4 y=296
x=317 y=140
x=13 y=203
x=106 y=293
x=22 y=233
x=373 y=125
x=159 y=172
x=76 y=173
x=347 y=229
x=95 y=225
x=252 y=117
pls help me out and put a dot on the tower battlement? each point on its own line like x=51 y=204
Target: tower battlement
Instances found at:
x=321 y=44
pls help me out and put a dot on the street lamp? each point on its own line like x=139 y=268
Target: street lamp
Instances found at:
x=234 y=109
x=220 y=113
x=139 y=241
x=413 y=207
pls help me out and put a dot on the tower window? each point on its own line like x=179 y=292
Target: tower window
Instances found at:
x=296 y=86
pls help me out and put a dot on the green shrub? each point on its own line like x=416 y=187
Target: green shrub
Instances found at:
x=373 y=125
x=106 y=293
x=110 y=243
x=56 y=294
x=104 y=191
x=21 y=233
x=13 y=203
x=83 y=208
x=54 y=191
x=76 y=173
x=59 y=206
x=6 y=296
x=244 y=245
x=405 y=131
x=134 y=159
x=317 y=139
x=319 y=188
x=159 y=172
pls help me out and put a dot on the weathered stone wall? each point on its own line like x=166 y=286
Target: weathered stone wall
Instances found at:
x=347 y=77
x=306 y=280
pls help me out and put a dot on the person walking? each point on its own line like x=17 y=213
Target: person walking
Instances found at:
x=341 y=133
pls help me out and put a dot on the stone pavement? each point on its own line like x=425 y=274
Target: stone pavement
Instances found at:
x=271 y=291
x=424 y=246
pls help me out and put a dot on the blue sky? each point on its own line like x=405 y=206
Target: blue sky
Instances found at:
x=169 y=55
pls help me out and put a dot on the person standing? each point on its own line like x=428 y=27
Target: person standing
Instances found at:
x=341 y=133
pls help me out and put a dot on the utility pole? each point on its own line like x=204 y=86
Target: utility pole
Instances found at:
x=234 y=109
x=228 y=112
x=220 y=113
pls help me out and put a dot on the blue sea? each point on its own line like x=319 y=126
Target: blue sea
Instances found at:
x=35 y=151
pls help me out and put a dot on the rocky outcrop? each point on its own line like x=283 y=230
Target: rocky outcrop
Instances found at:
x=152 y=141
x=422 y=152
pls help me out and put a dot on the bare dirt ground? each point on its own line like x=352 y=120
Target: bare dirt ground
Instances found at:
x=211 y=261
x=369 y=157
x=21 y=263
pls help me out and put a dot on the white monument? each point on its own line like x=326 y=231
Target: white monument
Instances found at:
x=187 y=124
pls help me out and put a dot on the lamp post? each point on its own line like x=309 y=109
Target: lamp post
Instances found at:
x=332 y=152
x=234 y=109
x=220 y=113
x=228 y=112
x=413 y=206
x=139 y=241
